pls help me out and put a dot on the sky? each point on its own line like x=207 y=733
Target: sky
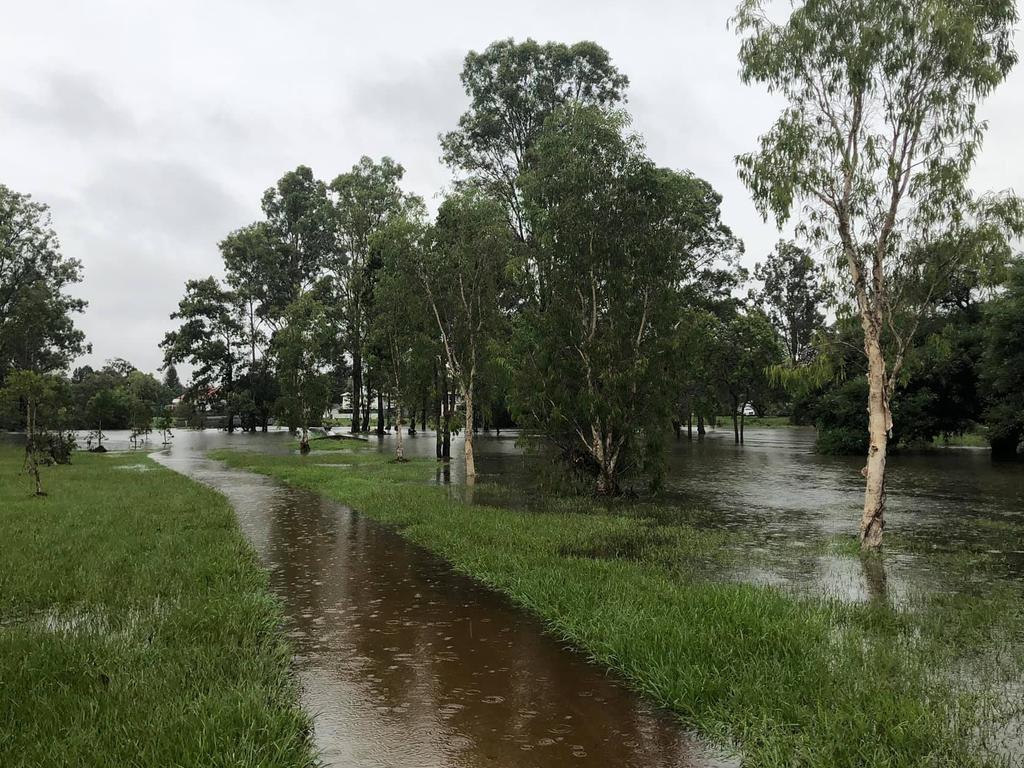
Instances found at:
x=152 y=129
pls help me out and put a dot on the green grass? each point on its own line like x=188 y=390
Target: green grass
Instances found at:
x=136 y=627
x=790 y=681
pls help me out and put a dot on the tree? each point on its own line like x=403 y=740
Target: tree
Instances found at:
x=172 y=382
x=38 y=396
x=401 y=321
x=616 y=238
x=36 y=328
x=108 y=406
x=462 y=270
x=743 y=347
x=513 y=88
x=792 y=296
x=1003 y=368
x=209 y=339
x=302 y=350
x=287 y=254
x=364 y=200
x=875 y=146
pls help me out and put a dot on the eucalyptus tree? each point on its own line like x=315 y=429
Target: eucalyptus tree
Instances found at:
x=616 y=238
x=257 y=275
x=210 y=338
x=363 y=201
x=401 y=323
x=462 y=269
x=513 y=88
x=37 y=331
x=303 y=352
x=792 y=295
x=874 y=147
x=743 y=347
x=288 y=252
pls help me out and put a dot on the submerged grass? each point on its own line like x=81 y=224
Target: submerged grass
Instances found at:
x=136 y=627
x=788 y=681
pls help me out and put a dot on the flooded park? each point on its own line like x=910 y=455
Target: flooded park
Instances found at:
x=403 y=661
x=394 y=386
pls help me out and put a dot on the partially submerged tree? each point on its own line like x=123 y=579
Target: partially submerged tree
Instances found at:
x=616 y=238
x=1003 y=368
x=302 y=350
x=461 y=270
x=402 y=323
x=364 y=200
x=874 y=146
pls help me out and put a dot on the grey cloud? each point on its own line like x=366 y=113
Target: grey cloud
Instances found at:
x=158 y=199
x=69 y=104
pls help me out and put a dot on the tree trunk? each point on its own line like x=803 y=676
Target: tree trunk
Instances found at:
x=743 y=421
x=399 y=447
x=438 y=447
x=735 y=421
x=872 y=522
x=367 y=407
x=304 y=441
x=607 y=480
x=467 y=395
x=357 y=389
x=689 y=424
x=380 y=414
x=701 y=429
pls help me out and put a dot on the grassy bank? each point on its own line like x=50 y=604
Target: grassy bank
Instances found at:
x=790 y=681
x=135 y=625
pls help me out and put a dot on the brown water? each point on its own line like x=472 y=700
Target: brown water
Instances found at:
x=405 y=663
x=790 y=502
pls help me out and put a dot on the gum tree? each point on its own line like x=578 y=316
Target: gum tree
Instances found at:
x=364 y=200
x=616 y=239
x=461 y=270
x=873 y=149
x=513 y=88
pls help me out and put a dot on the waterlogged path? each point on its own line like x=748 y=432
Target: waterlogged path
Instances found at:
x=405 y=663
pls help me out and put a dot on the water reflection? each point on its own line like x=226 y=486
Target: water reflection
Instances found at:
x=790 y=502
x=407 y=663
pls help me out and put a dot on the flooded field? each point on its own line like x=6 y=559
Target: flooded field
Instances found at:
x=404 y=662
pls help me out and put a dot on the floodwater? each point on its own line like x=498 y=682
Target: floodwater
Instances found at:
x=790 y=502
x=405 y=663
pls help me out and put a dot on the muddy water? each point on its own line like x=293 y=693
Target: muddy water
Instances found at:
x=405 y=663
x=790 y=502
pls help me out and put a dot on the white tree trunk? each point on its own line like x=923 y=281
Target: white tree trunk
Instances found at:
x=872 y=521
x=467 y=394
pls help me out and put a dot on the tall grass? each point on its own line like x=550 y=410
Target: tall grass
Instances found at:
x=787 y=681
x=136 y=628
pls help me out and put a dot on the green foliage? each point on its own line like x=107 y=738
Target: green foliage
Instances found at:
x=37 y=331
x=792 y=296
x=302 y=350
x=513 y=89
x=615 y=239
x=1003 y=367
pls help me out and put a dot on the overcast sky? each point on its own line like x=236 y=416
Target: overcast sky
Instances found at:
x=152 y=129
